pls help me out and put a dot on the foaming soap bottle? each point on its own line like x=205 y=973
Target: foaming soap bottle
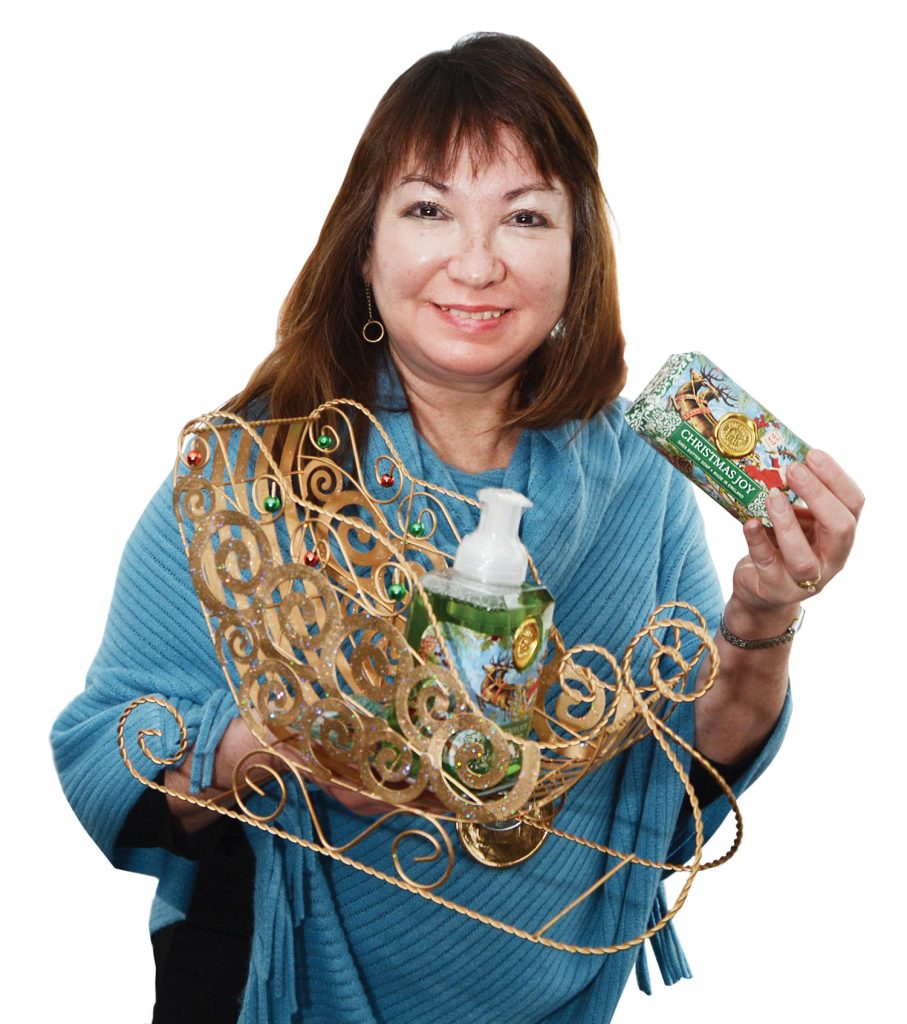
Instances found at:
x=495 y=624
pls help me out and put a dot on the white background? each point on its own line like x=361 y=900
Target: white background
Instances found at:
x=167 y=167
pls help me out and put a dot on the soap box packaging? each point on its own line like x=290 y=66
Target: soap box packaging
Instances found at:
x=717 y=434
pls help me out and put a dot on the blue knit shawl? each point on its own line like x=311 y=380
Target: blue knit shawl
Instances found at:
x=614 y=531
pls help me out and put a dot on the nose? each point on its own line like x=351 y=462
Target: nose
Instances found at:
x=476 y=261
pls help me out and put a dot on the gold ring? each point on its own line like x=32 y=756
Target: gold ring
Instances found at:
x=809 y=585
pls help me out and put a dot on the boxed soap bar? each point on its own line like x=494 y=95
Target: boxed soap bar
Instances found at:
x=717 y=434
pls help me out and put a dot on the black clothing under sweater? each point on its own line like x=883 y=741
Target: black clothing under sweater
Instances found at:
x=201 y=962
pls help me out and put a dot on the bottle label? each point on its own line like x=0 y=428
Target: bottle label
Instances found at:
x=501 y=672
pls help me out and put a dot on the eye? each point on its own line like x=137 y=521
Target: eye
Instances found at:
x=529 y=219
x=425 y=211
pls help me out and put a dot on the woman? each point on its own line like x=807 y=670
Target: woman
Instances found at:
x=470 y=238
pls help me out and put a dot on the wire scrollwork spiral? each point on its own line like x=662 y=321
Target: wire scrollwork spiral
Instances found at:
x=316 y=658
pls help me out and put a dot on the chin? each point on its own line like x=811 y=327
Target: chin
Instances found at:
x=460 y=364
x=474 y=373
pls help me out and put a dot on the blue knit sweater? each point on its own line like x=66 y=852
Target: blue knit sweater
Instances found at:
x=614 y=531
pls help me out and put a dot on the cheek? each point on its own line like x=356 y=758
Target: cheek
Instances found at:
x=404 y=268
x=557 y=287
x=547 y=269
x=401 y=282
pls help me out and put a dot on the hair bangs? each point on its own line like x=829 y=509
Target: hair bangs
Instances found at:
x=451 y=110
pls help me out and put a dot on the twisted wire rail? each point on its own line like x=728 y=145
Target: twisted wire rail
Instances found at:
x=642 y=720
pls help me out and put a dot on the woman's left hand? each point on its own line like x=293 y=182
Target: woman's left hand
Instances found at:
x=793 y=561
x=807 y=547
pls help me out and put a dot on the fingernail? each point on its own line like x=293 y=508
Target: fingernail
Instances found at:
x=798 y=473
x=753 y=527
x=777 y=502
x=816 y=458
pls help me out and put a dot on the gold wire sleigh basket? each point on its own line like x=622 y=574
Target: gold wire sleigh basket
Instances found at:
x=305 y=564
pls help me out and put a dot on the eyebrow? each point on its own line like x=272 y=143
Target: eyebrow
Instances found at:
x=516 y=193
x=424 y=179
x=535 y=186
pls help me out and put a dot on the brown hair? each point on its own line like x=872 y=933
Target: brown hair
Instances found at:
x=446 y=101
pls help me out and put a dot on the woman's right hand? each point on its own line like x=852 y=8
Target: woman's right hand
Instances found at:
x=237 y=743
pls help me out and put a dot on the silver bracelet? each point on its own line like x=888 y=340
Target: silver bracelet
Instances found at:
x=758 y=645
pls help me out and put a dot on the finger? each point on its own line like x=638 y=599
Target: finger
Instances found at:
x=800 y=561
x=356 y=802
x=766 y=559
x=805 y=518
x=834 y=521
x=836 y=480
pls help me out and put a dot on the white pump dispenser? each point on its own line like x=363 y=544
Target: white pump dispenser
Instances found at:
x=494 y=553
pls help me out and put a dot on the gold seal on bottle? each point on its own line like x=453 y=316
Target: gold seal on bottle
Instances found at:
x=525 y=643
x=735 y=435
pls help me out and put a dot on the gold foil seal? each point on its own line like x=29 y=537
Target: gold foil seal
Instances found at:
x=735 y=435
x=525 y=643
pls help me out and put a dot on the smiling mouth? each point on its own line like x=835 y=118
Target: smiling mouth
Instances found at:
x=469 y=314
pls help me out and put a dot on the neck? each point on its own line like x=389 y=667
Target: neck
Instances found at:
x=464 y=424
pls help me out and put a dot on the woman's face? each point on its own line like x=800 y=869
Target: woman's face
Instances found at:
x=471 y=273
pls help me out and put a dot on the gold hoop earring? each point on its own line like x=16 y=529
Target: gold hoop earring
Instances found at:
x=371 y=326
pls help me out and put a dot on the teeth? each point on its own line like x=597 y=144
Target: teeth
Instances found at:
x=488 y=314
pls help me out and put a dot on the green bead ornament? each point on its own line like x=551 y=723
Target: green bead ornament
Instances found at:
x=272 y=503
x=396 y=591
x=325 y=442
x=417 y=529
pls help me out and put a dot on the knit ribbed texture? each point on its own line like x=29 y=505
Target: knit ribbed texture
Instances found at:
x=614 y=531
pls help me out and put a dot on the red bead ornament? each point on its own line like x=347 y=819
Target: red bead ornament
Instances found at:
x=386 y=480
x=194 y=457
x=311 y=559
